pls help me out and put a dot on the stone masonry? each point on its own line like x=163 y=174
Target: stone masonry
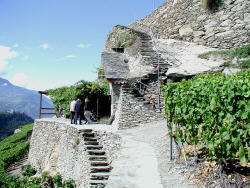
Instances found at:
x=136 y=91
x=225 y=27
x=56 y=146
x=137 y=110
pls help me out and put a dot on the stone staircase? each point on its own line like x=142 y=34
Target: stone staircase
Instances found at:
x=100 y=168
x=150 y=56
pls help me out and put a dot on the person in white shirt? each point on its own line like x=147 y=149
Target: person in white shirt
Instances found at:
x=72 y=111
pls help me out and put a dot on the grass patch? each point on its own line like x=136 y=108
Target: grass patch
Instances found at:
x=241 y=52
x=125 y=40
x=245 y=64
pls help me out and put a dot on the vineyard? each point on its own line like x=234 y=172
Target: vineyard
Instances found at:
x=62 y=96
x=14 y=147
x=211 y=112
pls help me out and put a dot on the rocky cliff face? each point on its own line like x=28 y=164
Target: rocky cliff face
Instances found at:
x=225 y=27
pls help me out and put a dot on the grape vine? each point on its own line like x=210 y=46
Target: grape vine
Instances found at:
x=212 y=109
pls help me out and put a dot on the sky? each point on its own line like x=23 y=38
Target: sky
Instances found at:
x=45 y=44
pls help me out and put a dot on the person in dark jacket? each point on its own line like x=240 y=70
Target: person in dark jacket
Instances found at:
x=78 y=108
x=87 y=112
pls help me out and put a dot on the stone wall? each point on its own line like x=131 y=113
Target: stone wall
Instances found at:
x=111 y=143
x=115 y=94
x=137 y=110
x=226 y=27
x=58 y=147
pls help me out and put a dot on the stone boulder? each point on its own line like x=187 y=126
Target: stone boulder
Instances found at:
x=184 y=58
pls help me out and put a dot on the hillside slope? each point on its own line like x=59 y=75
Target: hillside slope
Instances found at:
x=20 y=99
x=11 y=121
x=224 y=26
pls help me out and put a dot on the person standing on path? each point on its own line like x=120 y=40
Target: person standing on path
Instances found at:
x=78 y=108
x=72 y=111
x=87 y=112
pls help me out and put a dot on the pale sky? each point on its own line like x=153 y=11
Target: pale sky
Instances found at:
x=46 y=44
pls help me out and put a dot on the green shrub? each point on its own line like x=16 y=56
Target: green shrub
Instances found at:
x=44 y=175
x=125 y=40
x=245 y=64
x=57 y=179
x=64 y=95
x=28 y=171
x=212 y=109
x=36 y=180
x=69 y=184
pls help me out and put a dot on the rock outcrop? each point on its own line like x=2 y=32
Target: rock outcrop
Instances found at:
x=226 y=26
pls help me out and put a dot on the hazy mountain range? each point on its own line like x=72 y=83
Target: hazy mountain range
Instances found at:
x=21 y=99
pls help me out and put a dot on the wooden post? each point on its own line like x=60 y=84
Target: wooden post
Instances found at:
x=40 y=108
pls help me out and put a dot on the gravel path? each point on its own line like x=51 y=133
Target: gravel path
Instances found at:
x=144 y=160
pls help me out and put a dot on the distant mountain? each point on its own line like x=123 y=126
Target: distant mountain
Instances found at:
x=11 y=121
x=21 y=99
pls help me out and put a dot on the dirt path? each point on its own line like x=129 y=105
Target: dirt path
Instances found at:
x=144 y=160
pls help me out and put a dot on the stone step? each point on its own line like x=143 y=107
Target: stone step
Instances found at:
x=97 y=158
x=96 y=152
x=94 y=143
x=153 y=56
x=147 y=51
x=127 y=89
x=145 y=37
x=94 y=147
x=98 y=183
x=91 y=139
x=85 y=130
x=88 y=135
x=98 y=163
x=160 y=63
x=148 y=54
x=99 y=176
x=97 y=186
x=154 y=61
x=146 y=46
x=143 y=41
x=100 y=169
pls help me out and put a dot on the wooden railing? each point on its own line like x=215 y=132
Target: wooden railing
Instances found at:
x=41 y=108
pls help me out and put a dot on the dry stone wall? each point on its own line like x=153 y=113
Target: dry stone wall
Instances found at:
x=152 y=94
x=226 y=27
x=136 y=110
x=58 y=147
x=54 y=148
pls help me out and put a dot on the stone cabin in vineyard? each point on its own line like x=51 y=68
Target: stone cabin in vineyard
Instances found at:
x=134 y=78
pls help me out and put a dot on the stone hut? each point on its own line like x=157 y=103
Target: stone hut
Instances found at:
x=134 y=74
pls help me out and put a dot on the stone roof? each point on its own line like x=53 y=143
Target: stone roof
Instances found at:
x=115 y=66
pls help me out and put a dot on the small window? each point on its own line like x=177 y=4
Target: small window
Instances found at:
x=119 y=50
